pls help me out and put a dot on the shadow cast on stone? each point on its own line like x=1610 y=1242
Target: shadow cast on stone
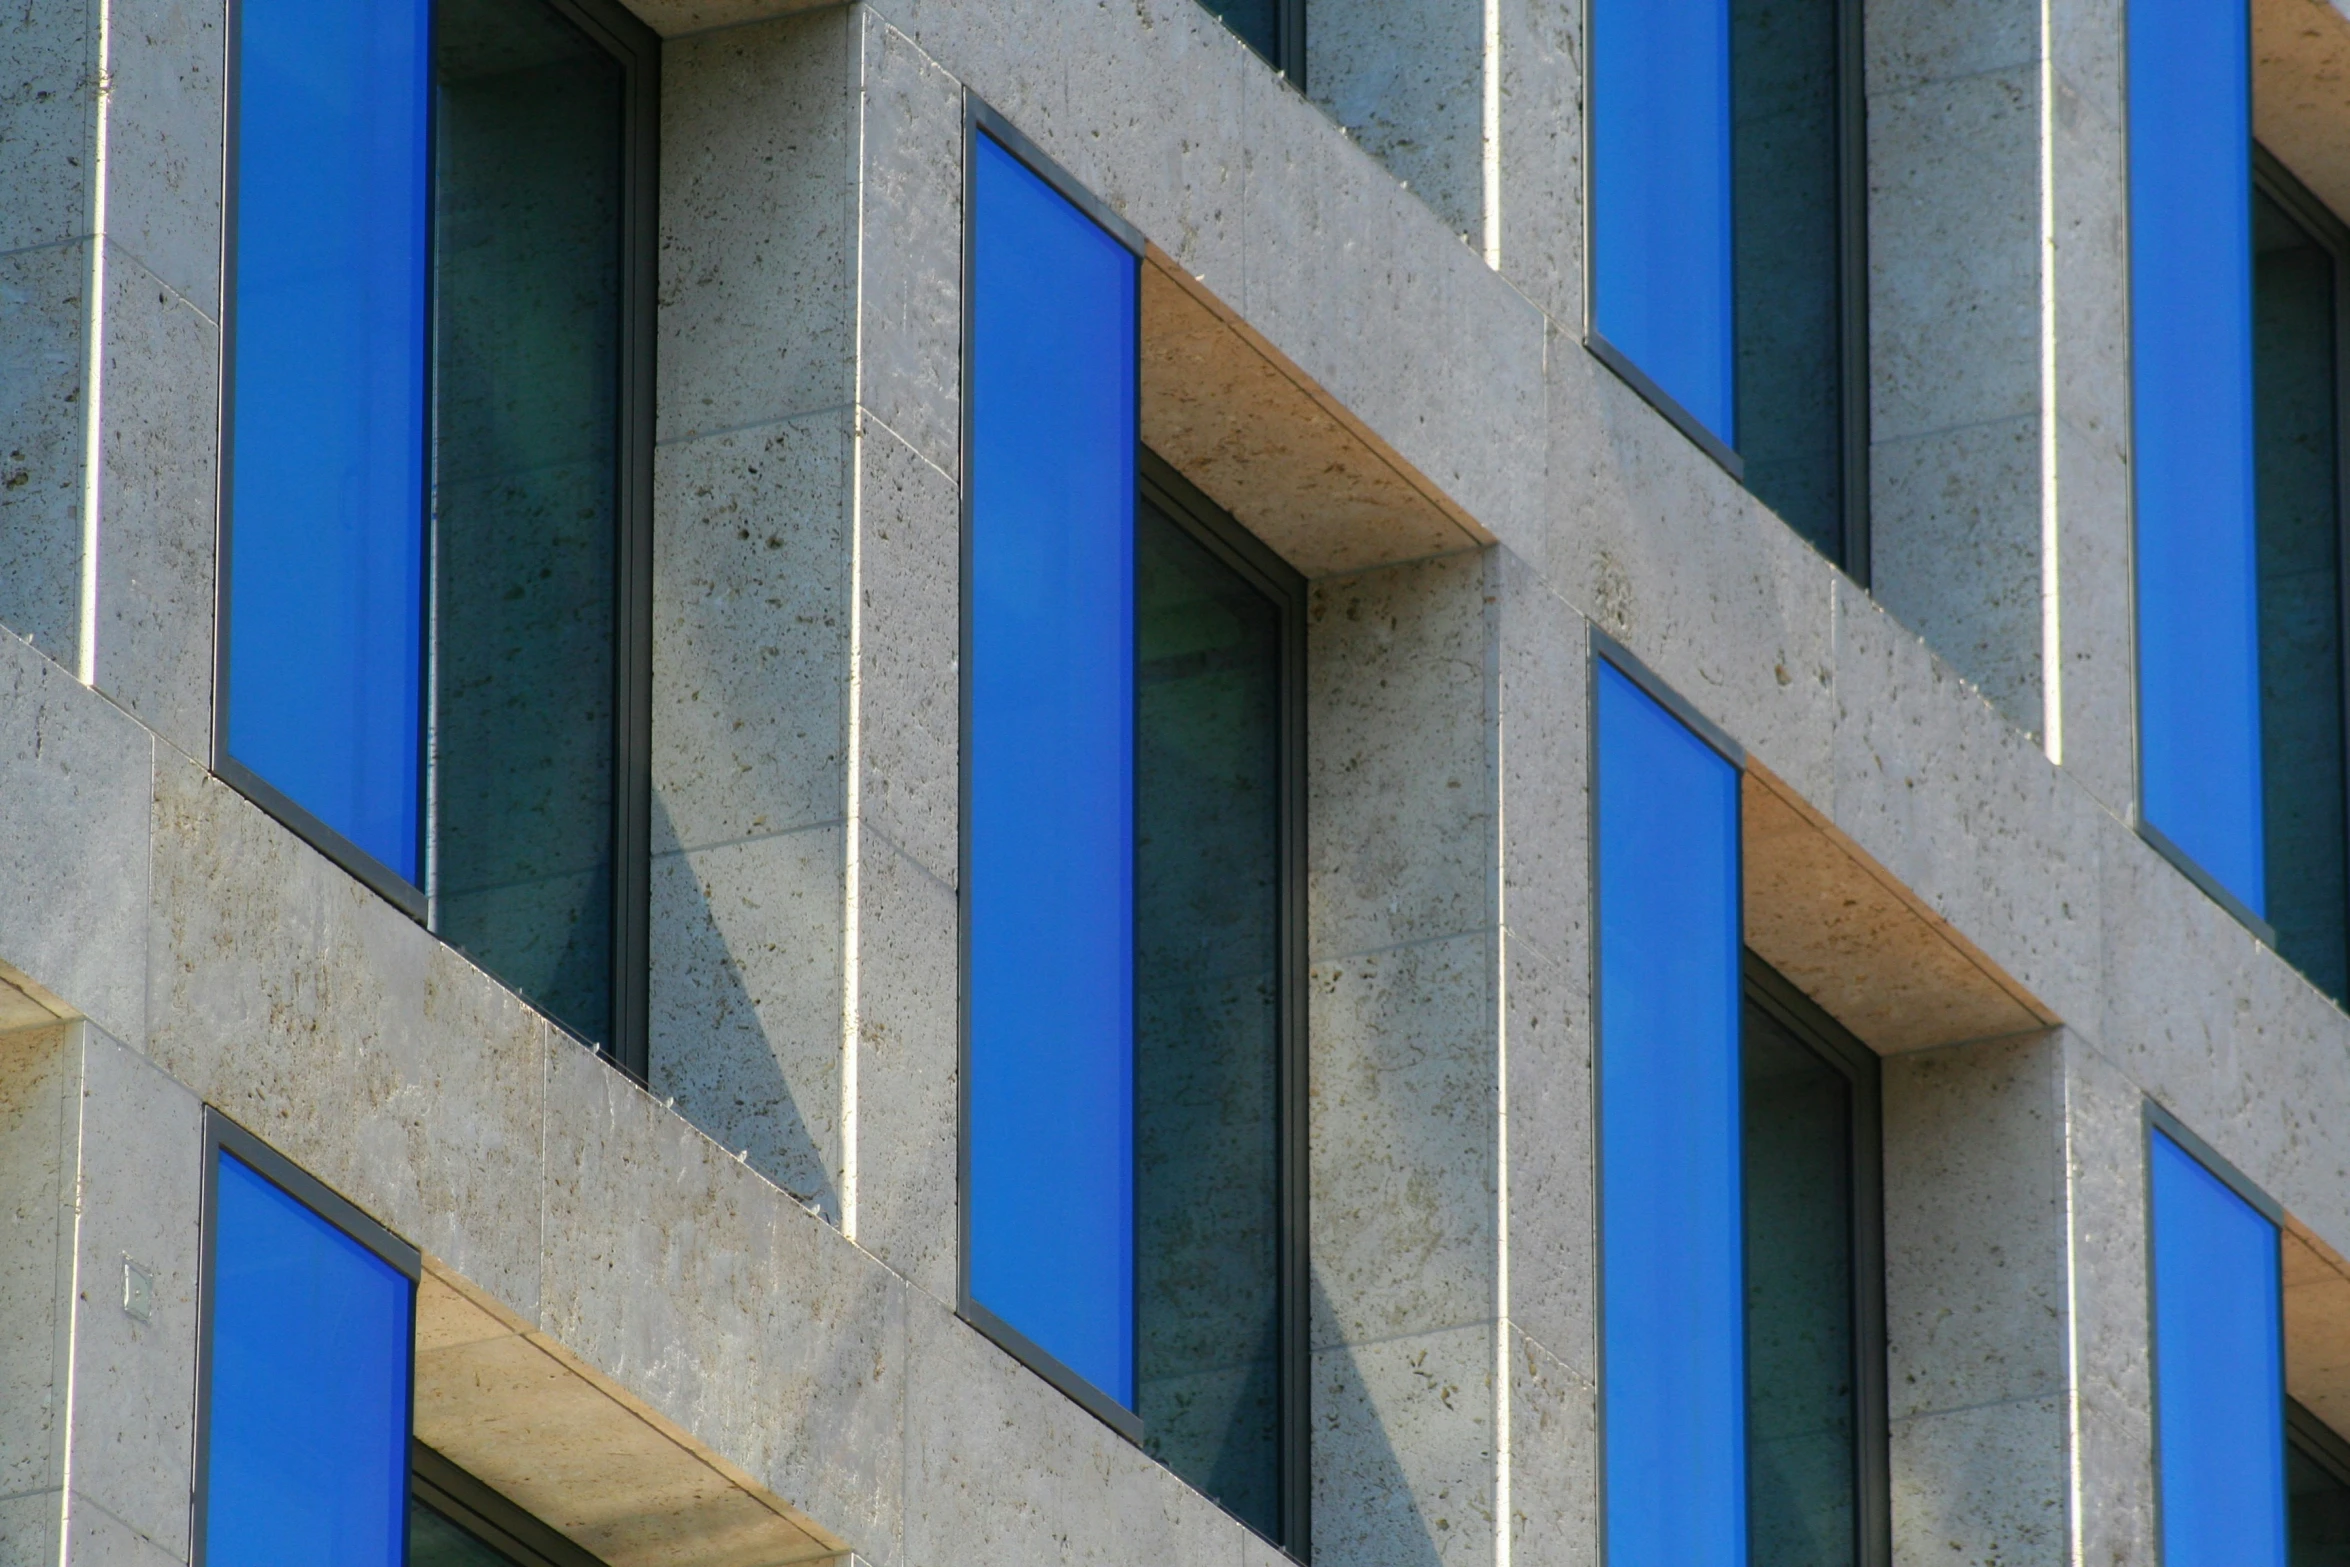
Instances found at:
x=1365 y=1510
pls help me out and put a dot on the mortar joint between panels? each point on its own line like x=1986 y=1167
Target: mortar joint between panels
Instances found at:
x=1560 y=1363
x=2055 y=1391
x=116 y=247
x=1516 y=936
x=1912 y=83
x=865 y=414
x=695 y=434
x=901 y=852
x=2029 y=416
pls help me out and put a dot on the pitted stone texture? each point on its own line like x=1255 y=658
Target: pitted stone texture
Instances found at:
x=2097 y=618
x=1408 y=83
x=1915 y=41
x=40 y=1082
x=28 y=1529
x=1543 y=651
x=1954 y=253
x=2113 y=1395
x=157 y=529
x=94 y=1535
x=1010 y=1471
x=46 y=92
x=910 y=243
x=42 y=368
x=1404 y=1451
x=1553 y=1200
x=77 y=776
x=1975 y=1238
x=1554 y=1460
x=141 y=1182
x=1966 y=811
x=334 y=1028
x=164 y=124
x=723 y=1307
x=1655 y=544
x=907 y=1068
x=1983 y=1485
x=1542 y=154
x=758 y=213
x=1955 y=553
x=745 y=1002
x=1403 y=1114
x=750 y=632
x=1400 y=842
x=2300 y=52
x=909 y=582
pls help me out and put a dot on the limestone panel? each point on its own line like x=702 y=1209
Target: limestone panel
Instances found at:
x=45 y=101
x=2301 y=92
x=41 y=452
x=1542 y=648
x=910 y=243
x=2113 y=1460
x=1408 y=83
x=758 y=213
x=1552 y=1216
x=1542 y=154
x=164 y=123
x=908 y=697
x=1914 y=41
x=745 y=1002
x=40 y=1084
x=1404 y=1451
x=1982 y=1485
x=1553 y=1460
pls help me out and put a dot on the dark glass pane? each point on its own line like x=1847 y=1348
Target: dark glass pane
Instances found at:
x=2300 y=595
x=1660 y=194
x=326 y=539
x=1051 y=773
x=526 y=494
x=1207 y=1020
x=1258 y=22
x=1673 y=1351
x=2190 y=84
x=307 y=1455
x=1783 y=90
x=2219 y=1369
x=433 y=1541
x=2317 y=1505
x=1802 y=1436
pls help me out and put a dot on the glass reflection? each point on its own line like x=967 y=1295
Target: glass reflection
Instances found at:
x=1207 y=1020
x=433 y=1541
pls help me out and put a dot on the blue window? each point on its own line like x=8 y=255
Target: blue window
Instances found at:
x=2218 y=1365
x=2199 y=719
x=308 y=1324
x=1727 y=213
x=435 y=659
x=1673 y=1374
x=1134 y=1118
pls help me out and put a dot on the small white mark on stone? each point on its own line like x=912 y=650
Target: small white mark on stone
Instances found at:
x=138 y=1291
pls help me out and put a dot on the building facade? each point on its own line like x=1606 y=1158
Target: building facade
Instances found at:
x=974 y=781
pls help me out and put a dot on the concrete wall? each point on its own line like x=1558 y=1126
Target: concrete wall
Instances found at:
x=758 y=1255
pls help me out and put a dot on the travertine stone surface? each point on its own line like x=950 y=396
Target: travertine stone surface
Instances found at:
x=40 y=1082
x=73 y=849
x=2113 y=1500
x=1408 y=82
x=2300 y=97
x=45 y=101
x=157 y=536
x=1541 y=163
x=1553 y=1460
x=42 y=368
x=164 y=137
x=909 y=242
x=1552 y=1234
x=1991 y=1479
x=1404 y=1450
x=908 y=701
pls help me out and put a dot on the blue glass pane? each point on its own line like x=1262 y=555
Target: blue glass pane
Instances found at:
x=2191 y=342
x=326 y=556
x=308 y=1458
x=1660 y=197
x=1673 y=1352
x=1051 y=760
x=2219 y=1369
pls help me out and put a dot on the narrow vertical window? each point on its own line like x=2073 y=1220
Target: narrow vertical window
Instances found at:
x=2218 y=1365
x=2317 y=1490
x=1218 y=1040
x=1815 y=1347
x=435 y=660
x=1673 y=1343
x=2298 y=254
x=1049 y=777
x=308 y=1332
x=1728 y=278
x=2199 y=722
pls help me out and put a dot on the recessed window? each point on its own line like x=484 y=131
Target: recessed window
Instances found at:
x=434 y=660
x=456 y=1521
x=2317 y=1490
x=1728 y=277
x=1133 y=1042
x=1275 y=29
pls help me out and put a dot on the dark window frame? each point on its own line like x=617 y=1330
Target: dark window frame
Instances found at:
x=1288 y=58
x=488 y=1516
x=1162 y=485
x=1863 y=1072
x=223 y=1135
x=637 y=50
x=1852 y=290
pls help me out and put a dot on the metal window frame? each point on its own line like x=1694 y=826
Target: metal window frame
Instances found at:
x=2327 y=231
x=2318 y=1442
x=1852 y=291
x=1604 y=649
x=1863 y=1072
x=1249 y=558
x=224 y=1136
x=1288 y=58
x=637 y=50
x=489 y=1517
x=2153 y=1117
